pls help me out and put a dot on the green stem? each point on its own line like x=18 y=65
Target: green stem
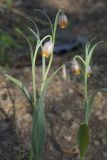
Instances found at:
x=33 y=67
x=85 y=96
x=34 y=86
x=43 y=67
x=80 y=58
x=53 y=40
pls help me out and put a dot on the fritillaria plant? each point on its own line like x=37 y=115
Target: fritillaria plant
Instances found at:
x=46 y=45
x=82 y=66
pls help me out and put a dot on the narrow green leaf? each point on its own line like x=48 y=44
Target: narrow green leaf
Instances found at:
x=46 y=17
x=92 y=50
x=36 y=27
x=30 y=46
x=83 y=140
x=38 y=133
x=38 y=128
x=20 y=85
x=87 y=48
x=34 y=33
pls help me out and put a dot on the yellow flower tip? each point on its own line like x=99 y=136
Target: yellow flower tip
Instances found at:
x=47 y=49
x=45 y=54
x=75 y=67
x=63 y=21
x=77 y=72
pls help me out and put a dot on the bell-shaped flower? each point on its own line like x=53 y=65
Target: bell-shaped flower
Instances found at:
x=75 y=67
x=63 y=21
x=47 y=49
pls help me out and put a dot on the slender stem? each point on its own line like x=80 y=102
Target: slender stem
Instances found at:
x=85 y=95
x=43 y=67
x=85 y=85
x=53 y=40
x=46 y=15
x=34 y=86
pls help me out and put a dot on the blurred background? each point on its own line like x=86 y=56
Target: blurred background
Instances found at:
x=64 y=99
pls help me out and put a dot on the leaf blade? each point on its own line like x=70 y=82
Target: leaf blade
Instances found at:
x=83 y=139
x=38 y=128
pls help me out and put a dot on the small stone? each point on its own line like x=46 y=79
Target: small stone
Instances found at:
x=68 y=138
x=75 y=125
x=97 y=143
x=67 y=115
x=71 y=91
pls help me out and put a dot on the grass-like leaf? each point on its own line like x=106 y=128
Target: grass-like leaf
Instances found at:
x=83 y=140
x=38 y=128
x=91 y=51
x=46 y=17
x=30 y=46
x=20 y=85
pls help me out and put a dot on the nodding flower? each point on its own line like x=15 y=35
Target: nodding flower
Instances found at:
x=47 y=49
x=89 y=71
x=63 y=21
x=75 y=67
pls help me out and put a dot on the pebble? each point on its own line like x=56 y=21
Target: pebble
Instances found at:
x=68 y=138
x=97 y=143
x=75 y=125
x=71 y=91
x=67 y=115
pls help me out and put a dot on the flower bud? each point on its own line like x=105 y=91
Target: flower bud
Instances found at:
x=89 y=71
x=47 y=49
x=63 y=21
x=75 y=67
